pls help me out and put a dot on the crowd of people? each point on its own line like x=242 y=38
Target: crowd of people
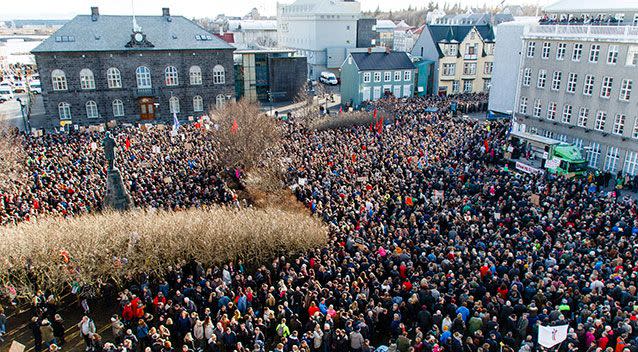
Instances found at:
x=434 y=245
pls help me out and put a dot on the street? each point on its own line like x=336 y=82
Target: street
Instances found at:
x=11 y=114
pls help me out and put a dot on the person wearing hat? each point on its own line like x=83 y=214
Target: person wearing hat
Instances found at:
x=58 y=330
x=46 y=331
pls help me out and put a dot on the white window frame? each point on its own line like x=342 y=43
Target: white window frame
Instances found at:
x=366 y=77
x=588 y=86
x=397 y=76
x=611 y=159
x=593 y=153
x=64 y=110
x=541 y=82
x=594 y=53
x=58 y=80
x=567 y=114
x=143 y=77
x=407 y=90
x=527 y=76
x=195 y=76
x=600 y=121
x=612 y=54
x=219 y=74
x=118 y=108
x=173 y=105
x=92 y=111
x=87 y=79
x=469 y=69
x=407 y=75
x=113 y=78
x=377 y=76
x=387 y=76
x=556 y=78
x=488 y=67
x=220 y=101
x=547 y=47
x=198 y=103
x=630 y=166
x=619 y=124
x=561 y=49
x=583 y=116
x=456 y=86
x=522 y=108
x=572 y=82
x=577 y=53
x=551 y=111
x=538 y=108
x=625 y=90
x=606 y=86
x=449 y=69
x=468 y=83
x=634 y=134
x=531 y=48
x=171 y=76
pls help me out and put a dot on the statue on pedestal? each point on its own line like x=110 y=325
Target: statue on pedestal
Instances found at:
x=117 y=196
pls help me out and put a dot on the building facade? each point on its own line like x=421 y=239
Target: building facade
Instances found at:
x=371 y=75
x=367 y=36
x=577 y=84
x=321 y=30
x=463 y=56
x=97 y=69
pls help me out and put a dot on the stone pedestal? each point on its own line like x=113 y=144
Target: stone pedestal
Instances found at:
x=117 y=196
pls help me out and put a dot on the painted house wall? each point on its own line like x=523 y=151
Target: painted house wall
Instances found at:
x=427 y=49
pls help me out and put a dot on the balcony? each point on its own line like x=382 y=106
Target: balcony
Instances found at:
x=615 y=33
x=144 y=92
x=470 y=57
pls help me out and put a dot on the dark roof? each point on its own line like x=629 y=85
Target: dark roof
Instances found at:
x=394 y=60
x=112 y=33
x=447 y=33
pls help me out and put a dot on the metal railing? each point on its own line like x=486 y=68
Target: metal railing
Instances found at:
x=623 y=33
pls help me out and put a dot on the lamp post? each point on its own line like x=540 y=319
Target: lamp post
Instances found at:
x=23 y=106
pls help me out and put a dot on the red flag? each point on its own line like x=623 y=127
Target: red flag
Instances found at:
x=198 y=125
x=340 y=109
x=371 y=128
x=354 y=158
x=374 y=113
x=235 y=127
x=487 y=146
x=408 y=201
x=380 y=125
x=127 y=145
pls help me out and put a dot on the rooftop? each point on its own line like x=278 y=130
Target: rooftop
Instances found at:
x=393 y=60
x=591 y=6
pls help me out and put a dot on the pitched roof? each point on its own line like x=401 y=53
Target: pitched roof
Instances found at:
x=591 y=5
x=112 y=33
x=393 y=60
x=448 y=33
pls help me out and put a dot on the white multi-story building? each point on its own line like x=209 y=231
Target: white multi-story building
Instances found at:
x=254 y=32
x=321 y=30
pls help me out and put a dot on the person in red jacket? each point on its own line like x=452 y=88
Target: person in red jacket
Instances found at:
x=158 y=299
x=603 y=341
x=138 y=307
x=313 y=309
x=127 y=313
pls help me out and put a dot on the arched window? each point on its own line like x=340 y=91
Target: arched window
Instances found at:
x=143 y=75
x=64 y=110
x=198 y=103
x=118 y=108
x=195 y=74
x=87 y=80
x=170 y=76
x=173 y=104
x=91 y=109
x=219 y=74
x=220 y=101
x=113 y=78
x=58 y=78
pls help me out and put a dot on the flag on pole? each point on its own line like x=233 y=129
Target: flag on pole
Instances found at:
x=549 y=336
x=175 y=124
x=379 y=125
x=127 y=144
x=235 y=127
x=340 y=110
x=374 y=113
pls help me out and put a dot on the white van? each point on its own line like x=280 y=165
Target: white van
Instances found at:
x=328 y=78
x=6 y=92
x=35 y=87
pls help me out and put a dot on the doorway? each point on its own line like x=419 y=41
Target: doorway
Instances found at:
x=147 y=108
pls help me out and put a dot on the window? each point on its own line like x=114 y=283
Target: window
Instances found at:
x=470 y=49
x=588 y=87
x=377 y=76
x=219 y=74
x=549 y=134
x=546 y=48
x=560 y=51
x=531 y=46
x=456 y=86
x=195 y=75
x=578 y=143
x=594 y=52
x=619 y=124
x=366 y=77
x=387 y=76
x=407 y=90
x=542 y=78
x=467 y=86
x=407 y=75
x=469 y=68
x=625 y=89
x=635 y=21
x=118 y=108
x=452 y=50
x=91 y=110
x=87 y=80
x=487 y=68
x=556 y=77
x=632 y=56
x=173 y=105
x=523 y=106
x=220 y=101
x=605 y=88
x=64 y=110
x=487 y=84
x=593 y=154
x=611 y=160
x=449 y=69
x=198 y=103
x=612 y=55
x=635 y=132
x=578 y=52
x=583 y=114
x=551 y=110
x=58 y=79
x=630 y=166
x=567 y=114
x=527 y=76
x=572 y=79
x=537 y=108
x=599 y=124
x=171 y=77
x=113 y=78
x=397 y=75
x=143 y=76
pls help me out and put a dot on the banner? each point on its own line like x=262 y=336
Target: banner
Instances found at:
x=550 y=336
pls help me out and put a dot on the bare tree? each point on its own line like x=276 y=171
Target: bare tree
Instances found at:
x=12 y=159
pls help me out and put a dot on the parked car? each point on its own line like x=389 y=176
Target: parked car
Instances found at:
x=6 y=92
x=328 y=78
x=19 y=87
x=35 y=86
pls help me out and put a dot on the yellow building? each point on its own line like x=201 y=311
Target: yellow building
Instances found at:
x=465 y=56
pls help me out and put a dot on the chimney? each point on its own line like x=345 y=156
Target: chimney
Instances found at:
x=369 y=50
x=166 y=12
x=95 y=13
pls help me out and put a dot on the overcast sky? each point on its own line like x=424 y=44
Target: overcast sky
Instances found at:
x=66 y=9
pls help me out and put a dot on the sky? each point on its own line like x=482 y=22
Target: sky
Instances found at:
x=66 y=9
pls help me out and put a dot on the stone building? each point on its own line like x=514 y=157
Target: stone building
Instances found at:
x=100 y=68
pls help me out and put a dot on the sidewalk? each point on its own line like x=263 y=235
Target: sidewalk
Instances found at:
x=286 y=107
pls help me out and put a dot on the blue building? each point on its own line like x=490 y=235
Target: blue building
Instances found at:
x=372 y=75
